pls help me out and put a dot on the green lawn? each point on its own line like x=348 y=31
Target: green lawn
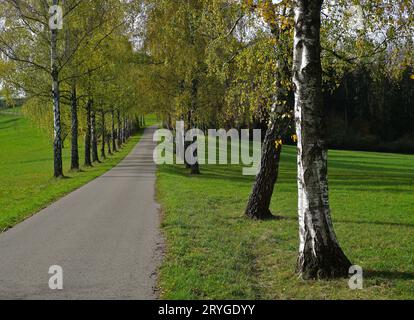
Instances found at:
x=26 y=169
x=214 y=252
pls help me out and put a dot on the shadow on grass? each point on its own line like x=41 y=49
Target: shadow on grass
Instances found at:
x=367 y=183
x=360 y=156
x=8 y=123
x=76 y=171
x=380 y=223
x=373 y=183
x=390 y=275
x=355 y=182
x=65 y=177
x=222 y=172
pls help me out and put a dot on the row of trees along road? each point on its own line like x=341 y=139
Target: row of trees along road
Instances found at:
x=86 y=70
x=268 y=64
x=212 y=63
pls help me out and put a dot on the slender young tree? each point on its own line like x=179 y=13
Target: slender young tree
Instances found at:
x=94 y=137
x=74 y=129
x=103 y=134
x=57 y=142
x=41 y=54
x=119 y=129
x=109 y=141
x=320 y=255
x=280 y=118
x=113 y=131
x=88 y=138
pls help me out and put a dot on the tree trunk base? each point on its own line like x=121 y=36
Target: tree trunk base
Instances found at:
x=331 y=264
x=195 y=170
x=257 y=214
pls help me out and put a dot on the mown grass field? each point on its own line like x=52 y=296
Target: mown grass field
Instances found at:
x=214 y=252
x=26 y=169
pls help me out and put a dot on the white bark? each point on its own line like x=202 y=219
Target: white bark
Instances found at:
x=319 y=251
x=57 y=145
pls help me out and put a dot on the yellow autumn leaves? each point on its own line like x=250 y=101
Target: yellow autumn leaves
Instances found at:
x=279 y=142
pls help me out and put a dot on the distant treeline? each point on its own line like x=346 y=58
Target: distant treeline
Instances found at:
x=373 y=113
x=18 y=102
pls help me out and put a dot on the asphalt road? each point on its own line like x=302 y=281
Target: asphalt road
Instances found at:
x=105 y=236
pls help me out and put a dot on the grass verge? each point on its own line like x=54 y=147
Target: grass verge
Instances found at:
x=214 y=252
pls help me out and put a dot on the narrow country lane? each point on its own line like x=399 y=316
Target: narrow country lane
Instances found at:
x=105 y=236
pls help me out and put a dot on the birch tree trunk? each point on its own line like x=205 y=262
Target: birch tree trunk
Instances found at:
x=94 y=138
x=122 y=132
x=57 y=143
x=126 y=129
x=103 y=153
x=187 y=143
x=74 y=130
x=119 y=130
x=88 y=159
x=195 y=168
x=258 y=206
x=280 y=120
x=113 y=131
x=109 y=141
x=320 y=255
x=126 y=133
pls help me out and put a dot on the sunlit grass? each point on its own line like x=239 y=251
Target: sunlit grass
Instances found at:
x=214 y=252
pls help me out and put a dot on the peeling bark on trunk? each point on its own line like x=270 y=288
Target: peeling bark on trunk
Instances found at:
x=94 y=138
x=320 y=255
x=74 y=130
x=88 y=159
x=57 y=143
x=103 y=153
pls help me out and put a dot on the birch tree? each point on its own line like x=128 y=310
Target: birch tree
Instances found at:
x=63 y=56
x=278 y=19
x=25 y=25
x=320 y=255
